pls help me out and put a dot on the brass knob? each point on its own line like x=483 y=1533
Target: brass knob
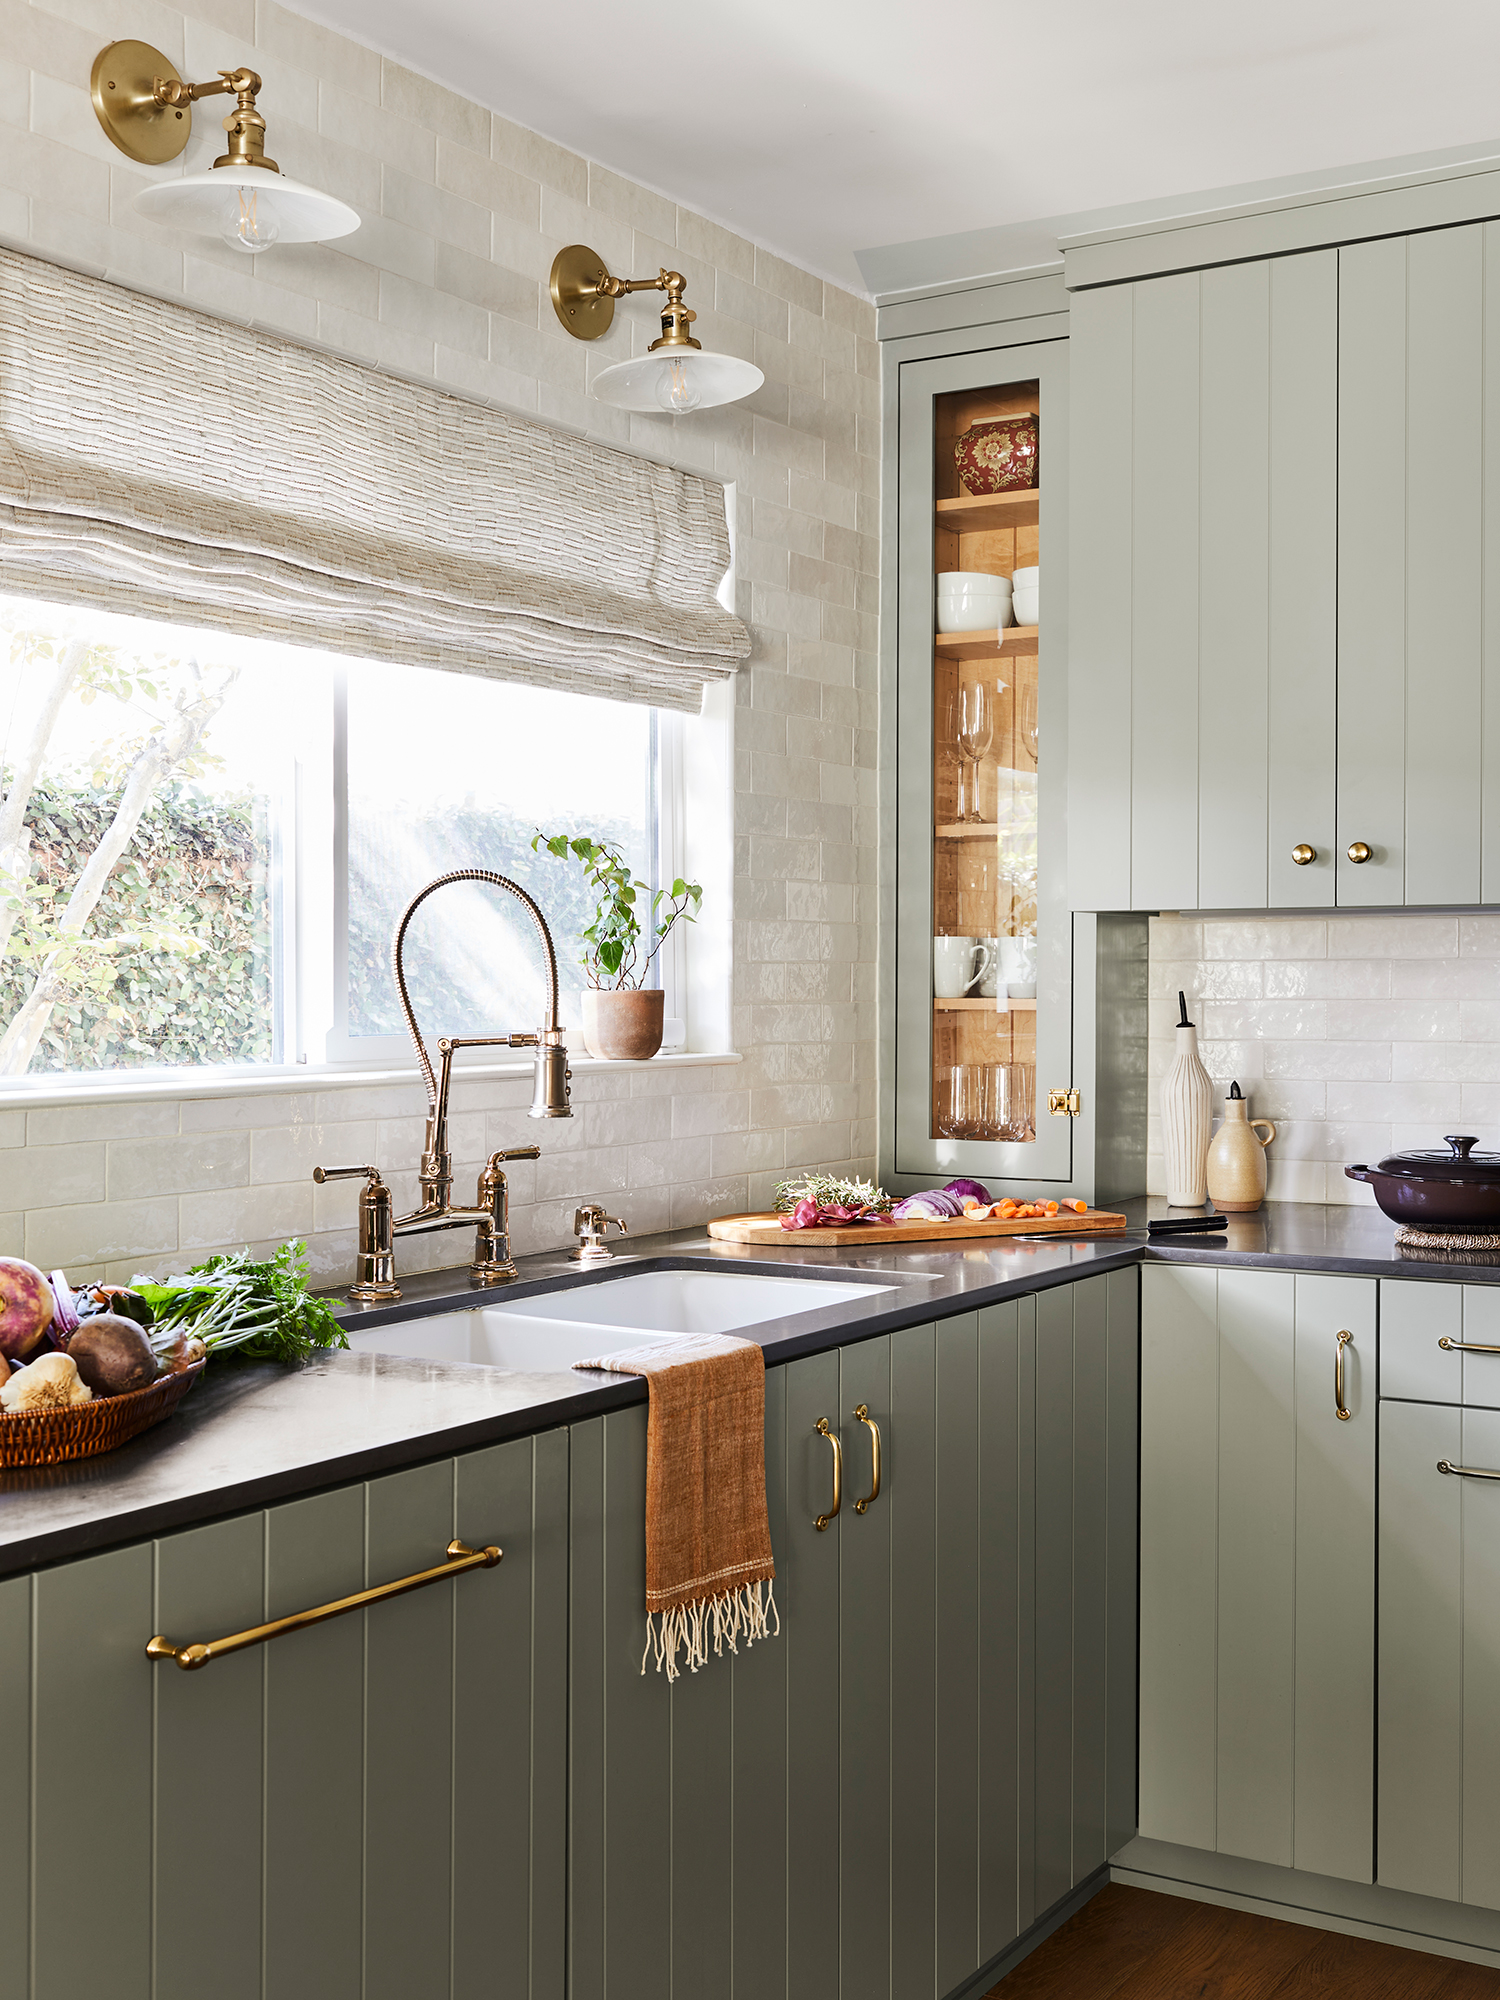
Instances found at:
x=1302 y=854
x=1358 y=852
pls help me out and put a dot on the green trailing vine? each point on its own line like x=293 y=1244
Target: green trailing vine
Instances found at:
x=612 y=955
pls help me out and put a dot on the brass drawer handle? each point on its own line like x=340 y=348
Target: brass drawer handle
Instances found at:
x=460 y=1557
x=862 y=1411
x=1358 y=852
x=825 y=1429
x=1465 y=1346
x=1302 y=854
x=1466 y=1471
x=1344 y=1339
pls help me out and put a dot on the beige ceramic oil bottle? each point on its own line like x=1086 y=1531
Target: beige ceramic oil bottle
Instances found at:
x=1237 y=1157
x=1187 y=1096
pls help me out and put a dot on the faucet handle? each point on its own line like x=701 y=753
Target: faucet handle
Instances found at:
x=375 y=1265
x=516 y=1153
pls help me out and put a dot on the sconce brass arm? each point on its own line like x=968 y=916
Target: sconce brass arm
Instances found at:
x=583 y=296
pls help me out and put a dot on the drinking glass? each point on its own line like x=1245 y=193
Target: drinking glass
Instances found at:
x=1026 y=718
x=961 y=1108
x=976 y=729
x=1012 y=1101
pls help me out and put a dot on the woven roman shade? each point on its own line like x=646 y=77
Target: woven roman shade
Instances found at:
x=157 y=461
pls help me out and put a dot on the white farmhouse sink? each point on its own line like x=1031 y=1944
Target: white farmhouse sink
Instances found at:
x=552 y=1331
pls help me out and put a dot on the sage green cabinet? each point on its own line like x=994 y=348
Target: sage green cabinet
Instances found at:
x=371 y=1807
x=1202 y=667
x=1439 y=1651
x=1257 y=1659
x=1283 y=531
x=940 y=1743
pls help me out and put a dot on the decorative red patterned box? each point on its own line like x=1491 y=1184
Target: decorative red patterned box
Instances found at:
x=998 y=457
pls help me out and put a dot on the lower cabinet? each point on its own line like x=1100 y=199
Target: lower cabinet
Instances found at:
x=369 y=1809
x=1439 y=1657
x=941 y=1742
x=1257 y=1655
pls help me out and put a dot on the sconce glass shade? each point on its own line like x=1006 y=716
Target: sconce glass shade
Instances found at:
x=677 y=379
x=247 y=207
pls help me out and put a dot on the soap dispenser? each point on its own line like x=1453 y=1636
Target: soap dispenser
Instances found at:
x=1237 y=1157
x=1187 y=1097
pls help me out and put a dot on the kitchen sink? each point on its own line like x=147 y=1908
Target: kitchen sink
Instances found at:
x=552 y=1330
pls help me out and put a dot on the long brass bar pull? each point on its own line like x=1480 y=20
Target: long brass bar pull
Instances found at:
x=1344 y=1339
x=1465 y=1346
x=1467 y=1471
x=862 y=1411
x=825 y=1429
x=459 y=1558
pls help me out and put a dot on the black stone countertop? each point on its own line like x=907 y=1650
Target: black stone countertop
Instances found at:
x=255 y=1432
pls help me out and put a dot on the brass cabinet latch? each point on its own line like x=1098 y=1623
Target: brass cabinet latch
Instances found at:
x=1064 y=1103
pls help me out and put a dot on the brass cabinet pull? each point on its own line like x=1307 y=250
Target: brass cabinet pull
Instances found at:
x=1467 y=1471
x=459 y=1558
x=825 y=1429
x=862 y=1411
x=1358 y=852
x=1344 y=1338
x=1465 y=1346
x=1302 y=854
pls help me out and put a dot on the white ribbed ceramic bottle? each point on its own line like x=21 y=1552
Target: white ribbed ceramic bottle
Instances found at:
x=1187 y=1098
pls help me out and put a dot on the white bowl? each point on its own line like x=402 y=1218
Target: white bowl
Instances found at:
x=950 y=580
x=1025 y=605
x=1023 y=579
x=973 y=614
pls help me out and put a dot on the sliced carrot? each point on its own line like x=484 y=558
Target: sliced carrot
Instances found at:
x=1052 y=1208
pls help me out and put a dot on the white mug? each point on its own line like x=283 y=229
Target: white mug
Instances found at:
x=1018 y=967
x=955 y=973
x=988 y=986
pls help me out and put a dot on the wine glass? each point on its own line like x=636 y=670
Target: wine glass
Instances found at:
x=1026 y=718
x=952 y=748
x=976 y=729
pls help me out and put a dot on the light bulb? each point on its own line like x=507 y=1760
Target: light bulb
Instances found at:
x=676 y=390
x=250 y=221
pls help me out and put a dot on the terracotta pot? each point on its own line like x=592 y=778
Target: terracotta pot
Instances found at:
x=623 y=1025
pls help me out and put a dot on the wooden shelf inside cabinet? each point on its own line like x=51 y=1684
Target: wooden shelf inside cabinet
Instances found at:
x=968 y=829
x=990 y=510
x=987 y=645
x=985 y=1006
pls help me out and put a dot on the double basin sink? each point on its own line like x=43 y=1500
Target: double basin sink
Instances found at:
x=551 y=1330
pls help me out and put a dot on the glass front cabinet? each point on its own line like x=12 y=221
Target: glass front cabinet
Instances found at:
x=981 y=1019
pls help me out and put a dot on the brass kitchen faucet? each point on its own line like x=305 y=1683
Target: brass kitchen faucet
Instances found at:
x=375 y=1278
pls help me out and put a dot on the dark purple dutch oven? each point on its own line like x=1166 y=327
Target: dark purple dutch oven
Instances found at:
x=1459 y=1189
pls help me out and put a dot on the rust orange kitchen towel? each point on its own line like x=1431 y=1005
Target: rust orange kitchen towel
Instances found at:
x=709 y=1567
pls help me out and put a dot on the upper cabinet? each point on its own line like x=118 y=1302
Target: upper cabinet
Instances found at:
x=1278 y=553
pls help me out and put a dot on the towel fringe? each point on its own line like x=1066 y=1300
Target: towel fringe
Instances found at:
x=731 y=1616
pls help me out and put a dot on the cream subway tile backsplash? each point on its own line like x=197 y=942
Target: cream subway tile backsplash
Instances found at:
x=1356 y=1034
x=446 y=282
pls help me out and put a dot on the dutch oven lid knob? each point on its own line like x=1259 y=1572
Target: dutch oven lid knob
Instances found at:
x=1463 y=1143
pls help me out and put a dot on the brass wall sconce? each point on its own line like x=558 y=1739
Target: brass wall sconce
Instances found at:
x=674 y=374
x=146 y=109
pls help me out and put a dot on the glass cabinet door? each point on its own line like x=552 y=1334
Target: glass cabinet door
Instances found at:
x=982 y=980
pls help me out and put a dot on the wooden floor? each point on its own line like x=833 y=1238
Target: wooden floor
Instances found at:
x=1133 y=1944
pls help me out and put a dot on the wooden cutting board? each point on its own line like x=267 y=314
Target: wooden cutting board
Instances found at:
x=764 y=1229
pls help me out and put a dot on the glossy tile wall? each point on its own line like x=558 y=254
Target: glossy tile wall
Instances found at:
x=1355 y=1034
x=445 y=282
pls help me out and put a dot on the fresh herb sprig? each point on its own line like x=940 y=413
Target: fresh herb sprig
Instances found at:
x=266 y=1309
x=829 y=1191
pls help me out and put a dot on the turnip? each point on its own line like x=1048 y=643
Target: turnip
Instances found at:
x=26 y=1306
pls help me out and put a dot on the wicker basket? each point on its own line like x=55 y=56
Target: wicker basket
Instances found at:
x=47 y=1437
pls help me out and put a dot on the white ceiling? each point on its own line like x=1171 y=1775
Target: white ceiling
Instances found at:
x=822 y=127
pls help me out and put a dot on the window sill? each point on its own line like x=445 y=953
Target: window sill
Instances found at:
x=153 y=1086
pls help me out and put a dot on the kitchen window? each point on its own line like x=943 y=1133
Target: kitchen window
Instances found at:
x=205 y=842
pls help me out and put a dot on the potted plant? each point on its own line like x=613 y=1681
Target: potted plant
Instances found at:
x=620 y=1017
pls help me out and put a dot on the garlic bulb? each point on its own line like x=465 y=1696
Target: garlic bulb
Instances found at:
x=51 y=1382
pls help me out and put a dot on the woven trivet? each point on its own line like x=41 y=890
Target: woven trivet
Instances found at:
x=1408 y=1238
